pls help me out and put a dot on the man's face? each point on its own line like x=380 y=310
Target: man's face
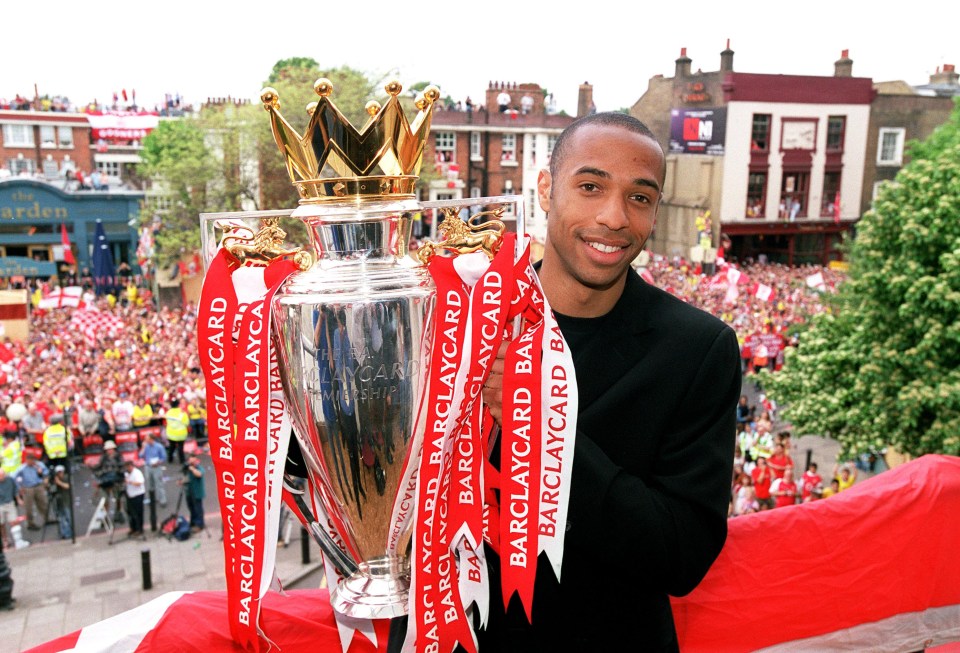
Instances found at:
x=602 y=205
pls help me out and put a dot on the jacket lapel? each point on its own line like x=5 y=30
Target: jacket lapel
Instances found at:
x=614 y=349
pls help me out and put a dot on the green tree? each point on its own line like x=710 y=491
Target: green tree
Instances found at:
x=178 y=160
x=204 y=162
x=883 y=367
x=289 y=66
x=225 y=158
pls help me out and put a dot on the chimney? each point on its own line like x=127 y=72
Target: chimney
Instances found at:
x=726 y=59
x=947 y=76
x=843 y=67
x=683 y=64
x=585 y=105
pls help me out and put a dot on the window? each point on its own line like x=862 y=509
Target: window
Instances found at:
x=831 y=194
x=18 y=135
x=109 y=168
x=66 y=137
x=508 y=209
x=756 y=194
x=475 y=191
x=532 y=143
x=890 y=147
x=760 y=133
x=793 y=195
x=48 y=136
x=531 y=201
x=475 y=154
x=446 y=147
x=159 y=203
x=551 y=143
x=835 y=128
x=878 y=186
x=509 y=149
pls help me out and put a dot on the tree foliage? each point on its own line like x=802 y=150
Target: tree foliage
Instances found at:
x=883 y=367
x=289 y=66
x=224 y=158
x=178 y=160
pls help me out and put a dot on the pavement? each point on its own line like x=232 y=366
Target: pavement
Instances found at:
x=61 y=587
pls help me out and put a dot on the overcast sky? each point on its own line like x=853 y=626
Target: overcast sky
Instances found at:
x=209 y=48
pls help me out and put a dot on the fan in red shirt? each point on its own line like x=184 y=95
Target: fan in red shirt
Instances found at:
x=780 y=460
x=762 y=478
x=784 y=490
x=810 y=480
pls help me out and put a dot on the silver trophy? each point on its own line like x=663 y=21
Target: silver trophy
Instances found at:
x=352 y=334
x=353 y=328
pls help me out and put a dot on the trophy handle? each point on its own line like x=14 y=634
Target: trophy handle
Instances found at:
x=341 y=560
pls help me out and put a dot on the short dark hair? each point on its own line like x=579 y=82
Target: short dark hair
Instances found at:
x=605 y=119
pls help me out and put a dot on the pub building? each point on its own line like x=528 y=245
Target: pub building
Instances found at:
x=32 y=216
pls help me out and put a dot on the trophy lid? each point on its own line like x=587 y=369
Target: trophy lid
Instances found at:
x=333 y=160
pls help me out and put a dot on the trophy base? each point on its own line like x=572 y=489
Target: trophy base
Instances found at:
x=379 y=589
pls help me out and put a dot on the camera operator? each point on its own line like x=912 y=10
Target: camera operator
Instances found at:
x=59 y=494
x=195 y=492
x=109 y=475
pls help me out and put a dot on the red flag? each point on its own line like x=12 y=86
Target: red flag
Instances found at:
x=836 y=208
x=124 y=93
x=763 y=292
x=65 y=241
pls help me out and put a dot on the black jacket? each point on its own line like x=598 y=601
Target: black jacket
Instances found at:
x=658 y=385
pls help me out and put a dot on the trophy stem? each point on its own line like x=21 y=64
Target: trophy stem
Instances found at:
x=379 y=589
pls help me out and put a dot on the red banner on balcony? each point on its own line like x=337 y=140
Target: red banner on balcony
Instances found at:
x=121 y=125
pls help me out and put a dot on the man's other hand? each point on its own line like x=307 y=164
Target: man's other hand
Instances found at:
x=492 y=392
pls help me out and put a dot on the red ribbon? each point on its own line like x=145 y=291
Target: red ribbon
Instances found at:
x=238 y=419
x=428 y=554
x=520 y=465
x=218 y=306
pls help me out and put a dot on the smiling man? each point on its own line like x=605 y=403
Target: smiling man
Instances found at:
x=658 y=385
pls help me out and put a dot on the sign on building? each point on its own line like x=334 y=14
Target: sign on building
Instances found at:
x=698 y=131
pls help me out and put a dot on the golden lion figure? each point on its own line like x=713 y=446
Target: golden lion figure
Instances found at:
x=464 y=238
x=262 y=247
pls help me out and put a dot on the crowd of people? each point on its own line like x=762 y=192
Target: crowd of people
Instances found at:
x=173 y=104
x=142 y=371
x=756 y=318
x=135 y=376
x=765 y=475
x=41 y=103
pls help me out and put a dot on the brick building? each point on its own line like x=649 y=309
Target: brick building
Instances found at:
x=37 y=201
x=901 y=113
x=45 y=143
x=484 y=151
x=785 y=164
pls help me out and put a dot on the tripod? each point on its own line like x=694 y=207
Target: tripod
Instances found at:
x=102 y=517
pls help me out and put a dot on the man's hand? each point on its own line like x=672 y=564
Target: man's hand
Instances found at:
x=492 y=391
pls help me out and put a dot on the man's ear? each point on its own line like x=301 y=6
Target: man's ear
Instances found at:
x=544 y=183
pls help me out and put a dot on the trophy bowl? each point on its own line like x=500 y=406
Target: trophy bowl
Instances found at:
x=352 y=335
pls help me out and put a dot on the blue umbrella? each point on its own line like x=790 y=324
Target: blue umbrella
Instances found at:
x=103 y=268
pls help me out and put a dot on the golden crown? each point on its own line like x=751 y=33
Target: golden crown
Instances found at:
x=334 y=160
